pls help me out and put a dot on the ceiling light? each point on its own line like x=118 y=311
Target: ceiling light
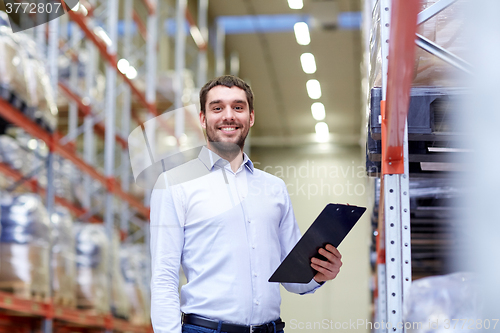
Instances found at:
x=302 y=33
x=131 y=73
x=313 y=89
x=318 y=111
x=308 y=63
x=322 y=132
x=197 y=36
x=295 y=4
x=123 y=65
x=32 y=144
x=103 y=35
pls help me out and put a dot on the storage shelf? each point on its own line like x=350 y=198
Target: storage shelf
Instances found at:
x=77 y=317
x=52 y=140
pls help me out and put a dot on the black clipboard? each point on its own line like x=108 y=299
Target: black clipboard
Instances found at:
x=330 y=227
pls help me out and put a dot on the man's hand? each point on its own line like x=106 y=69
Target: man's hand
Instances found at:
x=327 y=270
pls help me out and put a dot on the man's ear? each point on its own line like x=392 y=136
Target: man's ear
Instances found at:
x=202 y=120
x=252 y=118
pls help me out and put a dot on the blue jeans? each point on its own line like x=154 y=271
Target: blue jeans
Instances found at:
x=187 y=328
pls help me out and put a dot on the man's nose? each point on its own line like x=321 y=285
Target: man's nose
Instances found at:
x=228 y=113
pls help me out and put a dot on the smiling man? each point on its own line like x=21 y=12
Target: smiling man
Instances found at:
x=225 y=231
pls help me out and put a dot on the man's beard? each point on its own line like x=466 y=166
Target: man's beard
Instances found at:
x=225 y=149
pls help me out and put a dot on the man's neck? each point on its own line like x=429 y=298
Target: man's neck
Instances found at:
x=235 y=159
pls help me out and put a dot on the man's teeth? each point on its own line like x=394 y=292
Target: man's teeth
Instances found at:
x=228 y=129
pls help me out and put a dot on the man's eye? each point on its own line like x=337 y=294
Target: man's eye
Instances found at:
x=238 y=108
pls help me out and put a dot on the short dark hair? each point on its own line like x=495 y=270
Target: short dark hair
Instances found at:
x=228 y=81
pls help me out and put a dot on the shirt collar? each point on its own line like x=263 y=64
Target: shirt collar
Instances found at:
x=209 y=158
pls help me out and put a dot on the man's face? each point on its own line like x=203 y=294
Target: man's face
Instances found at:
x=227 y=117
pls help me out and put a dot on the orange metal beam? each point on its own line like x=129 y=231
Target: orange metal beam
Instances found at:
x=399 y=78
x=192 y=25
x=15 y=117
x=33 y=186
x=110 y=58
x=86 y=110
x=30 y=307
x=140 y=25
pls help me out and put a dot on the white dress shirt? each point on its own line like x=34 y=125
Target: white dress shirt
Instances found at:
x=229 y=231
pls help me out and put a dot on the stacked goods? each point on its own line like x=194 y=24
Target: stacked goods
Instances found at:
x=63 y=259
x=444 y=29
x=132 y=257
x=120 y=303
x=24 y=81
x=92 y=253
x=24 y=246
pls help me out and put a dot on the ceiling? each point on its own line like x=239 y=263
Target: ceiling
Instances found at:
x=270 y=62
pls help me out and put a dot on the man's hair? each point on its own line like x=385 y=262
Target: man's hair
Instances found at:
x=227 y=81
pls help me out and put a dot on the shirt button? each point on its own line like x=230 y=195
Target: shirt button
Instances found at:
x=256 y=302
x=255 y=274
x=249 y=221
x=253 y=246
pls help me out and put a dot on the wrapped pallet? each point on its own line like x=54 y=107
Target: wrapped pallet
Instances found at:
x=24 y=81
x=12 y=71
x=131 y=257
x=446 y=29
x=63 y=259
x=92 y=251
x=24 y=246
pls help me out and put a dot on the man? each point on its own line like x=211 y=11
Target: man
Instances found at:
x=229 y=225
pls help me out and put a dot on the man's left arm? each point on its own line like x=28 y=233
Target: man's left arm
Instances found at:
x=289 y=236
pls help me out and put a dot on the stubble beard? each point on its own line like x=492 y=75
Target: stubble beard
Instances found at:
x=226 y=150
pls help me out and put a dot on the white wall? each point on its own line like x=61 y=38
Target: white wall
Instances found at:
x=345 y=300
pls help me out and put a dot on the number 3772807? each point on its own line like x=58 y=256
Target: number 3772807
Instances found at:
x=470 y=324
x=31 y=8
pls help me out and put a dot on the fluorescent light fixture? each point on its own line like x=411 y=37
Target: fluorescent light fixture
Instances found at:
x=170 y=140
x=84 y=10
x=322 y=132
x=32 y=144
x=197 y=36
x=318 y=111
x=103 y=35
x=308 y=63
x=131 y=73
x=302 y=33
x=295 y=4
x=313 y=89
x=123 y=65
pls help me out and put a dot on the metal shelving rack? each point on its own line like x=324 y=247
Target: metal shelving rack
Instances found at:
x=398 y=23
x=93 y=29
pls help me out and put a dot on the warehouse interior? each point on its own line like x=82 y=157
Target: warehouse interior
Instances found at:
x=383 y=104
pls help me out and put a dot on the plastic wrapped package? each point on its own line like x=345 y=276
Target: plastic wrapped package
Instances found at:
x=131 y=257
x=12 y=71
x=24 y=80
x=24 y=245
x=434 y=304
x=445 y=29
x=10 y=152
x=63 y=258
x=120 y=303
x=92 y=265
x=40 y=95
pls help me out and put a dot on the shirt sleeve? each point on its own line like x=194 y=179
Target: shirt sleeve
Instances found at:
x=167 y=241
x=289 y=236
